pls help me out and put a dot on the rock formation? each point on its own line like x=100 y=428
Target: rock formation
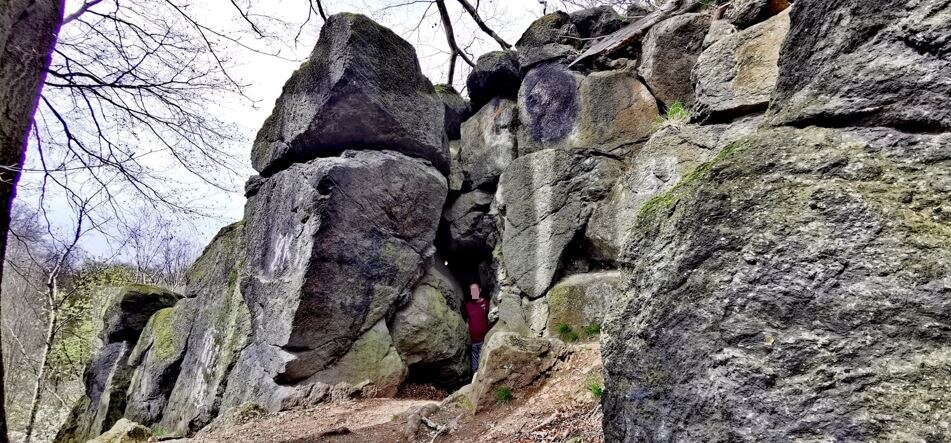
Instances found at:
x=771 y=264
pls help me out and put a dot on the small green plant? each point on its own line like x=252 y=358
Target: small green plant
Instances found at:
x=566 y=333
x=596 y=389
x=592 y=329
x=676 y=113
x=503 y=395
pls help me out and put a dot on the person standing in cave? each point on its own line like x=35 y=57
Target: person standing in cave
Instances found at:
x=477 y=316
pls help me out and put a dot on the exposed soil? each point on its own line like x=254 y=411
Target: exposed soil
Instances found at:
x=562 y=409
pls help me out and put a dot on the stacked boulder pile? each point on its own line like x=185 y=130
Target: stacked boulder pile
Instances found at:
x=773 y=264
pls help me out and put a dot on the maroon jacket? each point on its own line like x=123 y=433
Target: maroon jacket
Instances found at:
x=477 y=312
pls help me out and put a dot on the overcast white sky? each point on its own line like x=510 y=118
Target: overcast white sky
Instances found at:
x=265 y=75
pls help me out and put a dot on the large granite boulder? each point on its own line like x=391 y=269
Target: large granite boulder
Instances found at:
x=670 y=155
x=470 y=226
x=362 y=88
x=606 y=111
x=456 y=110
x=796 y=288
x=737 y=74
x=668 y=53
x=545 y=199
x=108 y=375
x=220 y=328
x=429 y=332
x=488 y=143
x=514 y=362
x=496 y=74
x=333 y=247
x=884 y=63
x=580 y=301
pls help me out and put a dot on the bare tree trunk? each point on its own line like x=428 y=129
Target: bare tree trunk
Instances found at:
x=28 y=31
x=47 y=347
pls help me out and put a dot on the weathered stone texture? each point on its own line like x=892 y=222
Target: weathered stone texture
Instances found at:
x=870 y=63
x=737 y=74
x=796 y=288
x=545 y=198
x=362 y=88
x=333 y=246
x=488 y=144
x=671 y=154
x=668 y=53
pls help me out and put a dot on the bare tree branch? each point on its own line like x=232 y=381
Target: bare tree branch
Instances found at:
x=474 y=13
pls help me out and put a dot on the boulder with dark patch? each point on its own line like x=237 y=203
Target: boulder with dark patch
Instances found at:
x=606 y=111
x=794 y=288
x=854 y=62
x=362 y=88
x=745 y=13
x=545 y=198
x=333 y=247
x=495 y=74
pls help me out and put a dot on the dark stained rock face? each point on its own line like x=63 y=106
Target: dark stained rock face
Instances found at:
x=854 y=62
x=495 y=74
x=549 y=103
x=795 y=288
x=362 y=88
x=109 y=372
x=669 y=52
x=333 y=246
x=605 y=111
x=545 y=199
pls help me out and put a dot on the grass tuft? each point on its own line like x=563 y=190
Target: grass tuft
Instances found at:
x=592 y=329
x=594 y=386
x=566 y=333
x=503 y=395
x=677 y=114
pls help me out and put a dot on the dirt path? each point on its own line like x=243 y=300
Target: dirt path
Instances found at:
x=562 y=409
